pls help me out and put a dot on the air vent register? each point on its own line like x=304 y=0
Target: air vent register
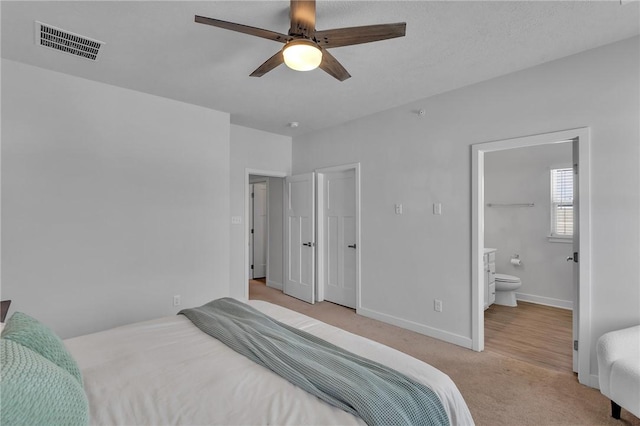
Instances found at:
x=67 y=42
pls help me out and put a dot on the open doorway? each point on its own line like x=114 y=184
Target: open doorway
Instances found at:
x=528 y=234
x=264 y=208
x=579 y=138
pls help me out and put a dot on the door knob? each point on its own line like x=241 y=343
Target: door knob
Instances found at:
x=309 y=244
x=352 y=246
x=569 y=258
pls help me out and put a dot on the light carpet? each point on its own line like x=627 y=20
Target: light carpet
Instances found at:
x=499 y=390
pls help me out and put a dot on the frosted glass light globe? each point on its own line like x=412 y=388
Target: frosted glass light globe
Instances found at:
x=302 y=55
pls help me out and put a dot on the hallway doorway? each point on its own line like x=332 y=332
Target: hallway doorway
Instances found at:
x=264 y=224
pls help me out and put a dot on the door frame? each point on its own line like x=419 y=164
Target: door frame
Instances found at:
x=321 y=234
x=584 y=266
x=247 y=196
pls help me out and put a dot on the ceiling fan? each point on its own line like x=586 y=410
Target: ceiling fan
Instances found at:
x=305 y=48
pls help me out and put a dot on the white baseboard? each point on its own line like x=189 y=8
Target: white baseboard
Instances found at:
x=456 y=339
x=548 y=301
x=274 y=284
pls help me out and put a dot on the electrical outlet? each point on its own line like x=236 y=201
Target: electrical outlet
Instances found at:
x=437 y=305
x=176 y=300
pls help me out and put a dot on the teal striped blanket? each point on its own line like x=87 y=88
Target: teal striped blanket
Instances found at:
x=377 y=394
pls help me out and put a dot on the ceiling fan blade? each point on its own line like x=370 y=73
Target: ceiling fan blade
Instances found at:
x=258 y=32
x=332 y=67
x=357 y=35
x=269 y=64
x=303 y=18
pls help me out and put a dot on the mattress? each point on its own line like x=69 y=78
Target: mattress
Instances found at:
x=168 y=372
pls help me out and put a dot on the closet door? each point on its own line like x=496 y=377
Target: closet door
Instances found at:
x=340 y=237
x=300 y=244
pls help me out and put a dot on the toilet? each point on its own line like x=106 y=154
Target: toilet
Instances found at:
x=506 y=286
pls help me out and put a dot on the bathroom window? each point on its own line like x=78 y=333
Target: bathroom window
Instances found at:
x=562 y=204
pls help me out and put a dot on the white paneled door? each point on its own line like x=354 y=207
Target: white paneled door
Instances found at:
x=340 y=237
x=576 y=253
x=300 y=237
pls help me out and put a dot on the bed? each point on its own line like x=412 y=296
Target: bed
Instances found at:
x=167 y=371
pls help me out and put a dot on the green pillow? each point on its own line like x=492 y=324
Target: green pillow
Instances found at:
x=35 y=391
x=23 y=329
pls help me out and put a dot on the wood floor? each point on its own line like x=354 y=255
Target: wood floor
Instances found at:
x=534 y=333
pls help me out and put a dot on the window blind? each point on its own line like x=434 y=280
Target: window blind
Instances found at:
x=562 y=202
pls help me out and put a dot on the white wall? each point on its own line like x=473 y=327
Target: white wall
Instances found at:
x=523 y=176
x=409 y=260
x=113 y=201
x=255 y=150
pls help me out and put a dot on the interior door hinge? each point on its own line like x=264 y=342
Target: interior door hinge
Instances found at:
x=575 y=345
x=575 y=169
x=251 y=266
x=252 y=231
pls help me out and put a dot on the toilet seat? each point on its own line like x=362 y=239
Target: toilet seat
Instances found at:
x=507 y=278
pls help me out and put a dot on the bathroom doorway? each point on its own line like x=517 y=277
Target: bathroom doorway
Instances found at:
x=520 y=259
x=528 y=254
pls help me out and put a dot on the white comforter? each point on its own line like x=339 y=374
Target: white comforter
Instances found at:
x=168 y=372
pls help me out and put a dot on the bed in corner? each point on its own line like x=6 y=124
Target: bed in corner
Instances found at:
x=170 y=372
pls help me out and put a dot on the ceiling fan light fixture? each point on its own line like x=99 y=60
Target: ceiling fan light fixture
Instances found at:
x=302 y=55
x=302 y=51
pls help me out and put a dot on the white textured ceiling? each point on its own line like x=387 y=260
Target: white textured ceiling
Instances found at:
x=155 y=47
